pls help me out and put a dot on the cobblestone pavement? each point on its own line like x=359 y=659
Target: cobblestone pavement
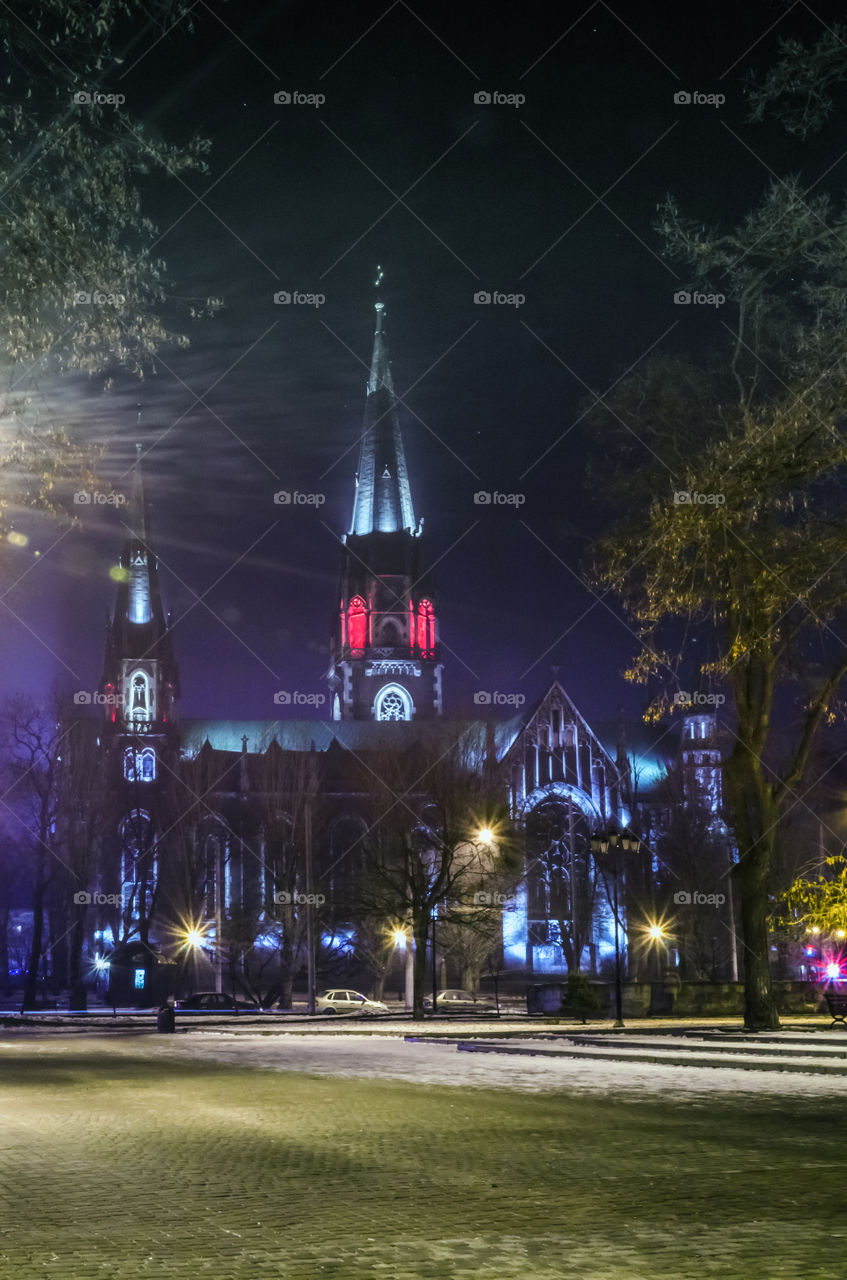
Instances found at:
x=134 y=1156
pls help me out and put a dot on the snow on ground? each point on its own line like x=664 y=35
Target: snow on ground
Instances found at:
x=389 y=1058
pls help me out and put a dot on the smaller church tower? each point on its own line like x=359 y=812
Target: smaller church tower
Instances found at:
x=385 y=653
x=140 y=685
x=140 y=679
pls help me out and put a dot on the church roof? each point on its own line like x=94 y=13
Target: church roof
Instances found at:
x=301 y=735
x=383 y=499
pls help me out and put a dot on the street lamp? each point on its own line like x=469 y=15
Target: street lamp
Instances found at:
x=656 y=939
x=615 y=842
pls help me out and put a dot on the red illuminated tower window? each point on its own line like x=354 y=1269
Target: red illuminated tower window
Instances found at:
x=426 y=629
x=356 y=626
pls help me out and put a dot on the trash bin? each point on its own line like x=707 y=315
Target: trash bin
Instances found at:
x=165 y=1020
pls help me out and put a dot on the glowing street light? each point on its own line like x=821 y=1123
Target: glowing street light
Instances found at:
x=485 y=836
x=656 y=933
x=399 y=936
x=194 y=938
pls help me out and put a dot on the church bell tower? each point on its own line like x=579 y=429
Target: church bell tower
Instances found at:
x=385 y=652
x=140 y=681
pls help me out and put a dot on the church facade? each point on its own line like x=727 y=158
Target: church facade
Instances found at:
x=559 y=782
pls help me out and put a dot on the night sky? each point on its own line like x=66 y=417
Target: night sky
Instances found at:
x=553 y=199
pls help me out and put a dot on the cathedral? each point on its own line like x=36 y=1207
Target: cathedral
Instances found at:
x=560 y=782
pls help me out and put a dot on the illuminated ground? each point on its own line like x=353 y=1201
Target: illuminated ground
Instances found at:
x=174 y=1156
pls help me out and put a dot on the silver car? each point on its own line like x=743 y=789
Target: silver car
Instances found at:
x=341 y=1000
x=454 y=1000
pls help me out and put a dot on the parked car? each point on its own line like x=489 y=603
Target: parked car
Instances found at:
x=454 y=1000
x=215 y=1002
x=340 y=1000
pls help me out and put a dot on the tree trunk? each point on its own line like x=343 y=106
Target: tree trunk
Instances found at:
x=754 y=822
x=760 y=1011
x=59 y=948
x=30 y=995
x=77 y=942
x=5 y=976
x=420 y=926
x=286 y=961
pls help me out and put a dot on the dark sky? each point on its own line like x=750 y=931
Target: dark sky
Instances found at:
x=553 y=199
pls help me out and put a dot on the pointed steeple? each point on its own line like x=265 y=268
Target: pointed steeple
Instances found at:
x=383 y=500
x=136 y=557
x=137 y=514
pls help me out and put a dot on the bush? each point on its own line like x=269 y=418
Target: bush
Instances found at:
x=582 y=998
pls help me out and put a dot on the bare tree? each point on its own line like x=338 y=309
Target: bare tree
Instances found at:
x=33 y=737
x=292 y=825
x=439 y=834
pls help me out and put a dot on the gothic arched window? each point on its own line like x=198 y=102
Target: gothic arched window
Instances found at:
x=139 y=766
x=219 y=874
x=347 y=849
x=147 y=765
x=139 y=864
x=357 y=619
x=393 y=703
x=426 y=629
x=389 y=633
x=140 y=701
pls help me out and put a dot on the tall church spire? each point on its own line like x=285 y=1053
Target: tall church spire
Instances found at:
x=385 y=653
x=383 y=499
x=137 y=507
x=139 y=600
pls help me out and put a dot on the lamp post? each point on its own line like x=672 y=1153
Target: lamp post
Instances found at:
x=616 y=842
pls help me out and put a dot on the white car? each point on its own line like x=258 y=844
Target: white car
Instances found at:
x=455 y=1001
x=340 y=1000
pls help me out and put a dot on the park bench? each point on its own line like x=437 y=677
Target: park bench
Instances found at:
x=836 y=1002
